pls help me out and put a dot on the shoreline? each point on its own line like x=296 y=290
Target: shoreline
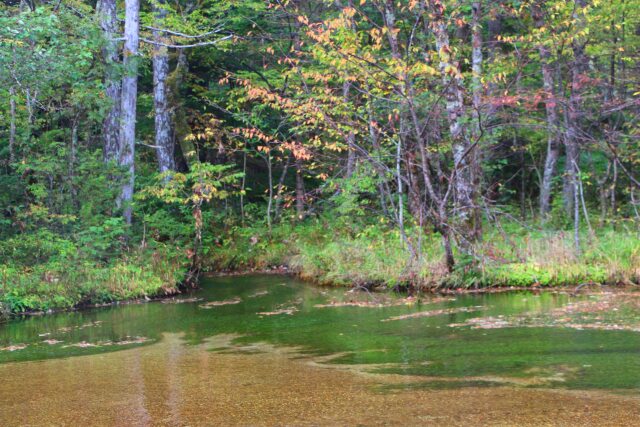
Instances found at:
x=582 y=289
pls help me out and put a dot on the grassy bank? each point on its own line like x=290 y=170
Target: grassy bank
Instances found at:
x=69 y=281
x=511 y=255
x=50 y=273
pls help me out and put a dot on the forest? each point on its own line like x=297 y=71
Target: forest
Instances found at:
x=411 y=144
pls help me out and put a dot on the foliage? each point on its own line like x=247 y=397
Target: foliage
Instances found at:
x=371 y=142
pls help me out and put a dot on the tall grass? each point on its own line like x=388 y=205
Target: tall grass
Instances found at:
x=375 y=254
x=62 y=285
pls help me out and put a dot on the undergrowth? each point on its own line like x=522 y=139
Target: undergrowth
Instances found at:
x=65 y=279
x=374 y=253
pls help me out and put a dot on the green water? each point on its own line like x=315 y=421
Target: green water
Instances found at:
x=536 y=354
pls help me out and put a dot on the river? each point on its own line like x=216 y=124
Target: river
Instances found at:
x=273 y=350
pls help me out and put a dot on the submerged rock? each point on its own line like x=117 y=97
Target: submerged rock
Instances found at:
x=432 y=313
x=212 y=304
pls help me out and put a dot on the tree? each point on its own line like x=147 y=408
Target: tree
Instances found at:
x=106 y=10
x=550 y=102
x=163 y=138
x=128 y=105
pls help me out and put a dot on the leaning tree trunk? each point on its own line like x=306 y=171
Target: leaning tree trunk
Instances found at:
x=163 y=140
x=553 y=143
x=112 y=82
x=128 y=106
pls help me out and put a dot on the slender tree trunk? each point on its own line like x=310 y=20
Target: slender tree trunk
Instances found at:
x=163 y=140
x=350 y=141
x=128 y=108
x=346 y=87
x=455 y=111
x=475 y=156
x=572 y=117
x=414 y=191
x=280 y=187
x=553 y=143
x=30 y=100
x=270 y=181
x=112 y=81
x=243 y=184
x=12 y=125
x=448 y=251
x=400 y=190
x=612 y=190
x=73 y=159
x=180 y=123
x=300 y=193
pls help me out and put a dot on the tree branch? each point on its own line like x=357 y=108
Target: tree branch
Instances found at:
x=185 y=46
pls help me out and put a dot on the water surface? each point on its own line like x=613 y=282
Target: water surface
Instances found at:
x=271 y=349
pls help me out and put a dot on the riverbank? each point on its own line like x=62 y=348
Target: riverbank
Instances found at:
x=377 y=255
x=78 y=283
x=346 y=253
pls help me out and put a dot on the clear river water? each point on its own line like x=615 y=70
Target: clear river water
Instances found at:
x=273 y=350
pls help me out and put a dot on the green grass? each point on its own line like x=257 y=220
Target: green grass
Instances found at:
x=331 y=252
x=44 y=272
x=64 y=284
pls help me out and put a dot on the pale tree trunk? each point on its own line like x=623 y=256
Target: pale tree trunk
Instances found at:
x=572 y=118
x=300 y=193
x=475 y=156
x=112 y=82
x=128 y=106
x=12 y=125
x=455 y=111
x=163 y=140
x=270 y=181
x=553 y=143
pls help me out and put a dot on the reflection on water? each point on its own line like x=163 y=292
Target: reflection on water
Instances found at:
x=267 y=349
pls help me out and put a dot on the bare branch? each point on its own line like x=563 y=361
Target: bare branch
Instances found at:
x=183 y=35
x=185 y=46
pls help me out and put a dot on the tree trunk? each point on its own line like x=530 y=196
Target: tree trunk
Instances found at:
x=299 y=190
x=243 y=184
x=112 y=82
x=12 y=126
x=163 y=140
x=73 y=158
x=280 y=187
x=572 y=118
x=475 y=156
x=270 y=181
x=453 y=94
x=350 y=140
x=553 y=143
x=128 y=106
x=180 y=122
